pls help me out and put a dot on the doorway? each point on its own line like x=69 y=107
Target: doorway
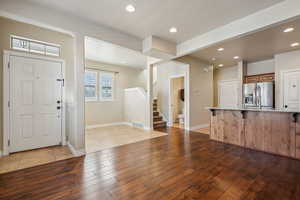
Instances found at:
x=177 y=116
x=290 y=92
x=34 y=117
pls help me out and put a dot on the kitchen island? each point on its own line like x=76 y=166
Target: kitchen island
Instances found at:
x=270 y=130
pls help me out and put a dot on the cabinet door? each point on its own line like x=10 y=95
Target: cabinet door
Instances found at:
x=252 y=79
x=267 y=78
x=233 y=127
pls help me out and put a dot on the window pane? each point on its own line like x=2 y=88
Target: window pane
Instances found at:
x=19 y=44
x=106 y=86
x=90 y=91
x=37 y=48
x=52 y=51
x=90 y=78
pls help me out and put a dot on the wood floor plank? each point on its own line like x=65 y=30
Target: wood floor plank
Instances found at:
x=183 y=165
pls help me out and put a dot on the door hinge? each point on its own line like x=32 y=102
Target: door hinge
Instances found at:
x=8 y=104
x=8 y=65
x=8 y=142
x=63 y=81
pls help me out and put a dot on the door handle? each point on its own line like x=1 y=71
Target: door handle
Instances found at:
x=286 y=106
x=58 y=102
x=58 y=107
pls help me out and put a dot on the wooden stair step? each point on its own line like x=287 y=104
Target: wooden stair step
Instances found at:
x=155 y=113
x=159 y=124
x=157 y=118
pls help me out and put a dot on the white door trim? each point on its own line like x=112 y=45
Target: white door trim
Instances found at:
x=6 y=94
x=281 y=92
x=186 y=99
x=222 y=82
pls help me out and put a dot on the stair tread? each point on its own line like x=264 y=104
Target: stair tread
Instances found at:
x=159 y=122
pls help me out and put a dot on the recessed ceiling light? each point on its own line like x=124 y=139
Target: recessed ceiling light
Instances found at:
x=221 y=65
x=295 y=44
x=130 y=8
x=220 y=49
x=287 y=30
x=173 y=30
x=236 y=57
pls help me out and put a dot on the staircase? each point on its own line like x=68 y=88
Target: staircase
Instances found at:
x=158 y=121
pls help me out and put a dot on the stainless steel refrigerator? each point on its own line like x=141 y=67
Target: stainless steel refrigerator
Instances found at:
x=259 y=95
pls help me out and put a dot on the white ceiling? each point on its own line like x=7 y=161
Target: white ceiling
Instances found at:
x=105 y=52
x=155 y=17
x=253 y=47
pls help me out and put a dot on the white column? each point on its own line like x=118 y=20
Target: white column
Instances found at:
x=79 y=115
x=149 y=118
x=242 y=72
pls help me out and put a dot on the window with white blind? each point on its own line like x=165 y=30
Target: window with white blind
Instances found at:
x=106 y=86
x=90 y=85
x=99 y=85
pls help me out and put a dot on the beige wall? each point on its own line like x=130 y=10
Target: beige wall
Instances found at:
x=201 y=88
x=10 y=27
x=99 y=113
x=226 y=73
x=284 y=61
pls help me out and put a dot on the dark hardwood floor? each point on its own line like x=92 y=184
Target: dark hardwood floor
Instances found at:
x=182 y=165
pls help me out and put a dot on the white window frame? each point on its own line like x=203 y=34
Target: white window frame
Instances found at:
x=99 y=97
x=89 y=99
x=31 y=41
x=113 y=87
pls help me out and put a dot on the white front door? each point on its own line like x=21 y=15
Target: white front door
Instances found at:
x=291 y=90
x=228 y=93
x=36 y=99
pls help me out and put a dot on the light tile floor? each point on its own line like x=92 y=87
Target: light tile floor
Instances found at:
x=106 y=137
x=178 y=125
x=32 y=158
x=203 y=130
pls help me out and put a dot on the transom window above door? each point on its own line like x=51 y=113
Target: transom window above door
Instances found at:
x=99 y=85
x=34 y=46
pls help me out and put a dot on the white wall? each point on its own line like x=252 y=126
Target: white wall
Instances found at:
x=99 y=113
x=135 y=105
x=201 y=88
x=164 y=72
x=261 y=67
x=284 y=61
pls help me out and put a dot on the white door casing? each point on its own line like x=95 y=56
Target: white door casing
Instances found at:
x=36 y=111
x=290 y=89
x=228 y=93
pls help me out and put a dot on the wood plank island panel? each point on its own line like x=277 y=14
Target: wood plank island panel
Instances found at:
x=227 y=127
x=297 y=139
x=273 y=132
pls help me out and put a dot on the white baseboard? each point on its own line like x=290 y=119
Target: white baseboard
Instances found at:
x=75 y=152
x=198 y=126
x=105 y=125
